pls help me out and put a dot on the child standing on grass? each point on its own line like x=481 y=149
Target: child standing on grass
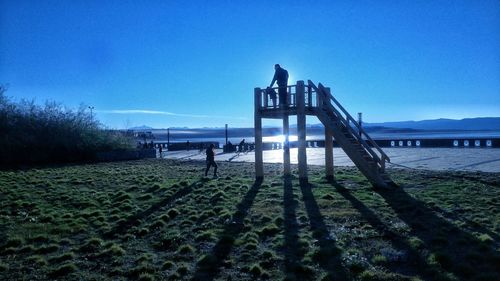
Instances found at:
x=211 y=160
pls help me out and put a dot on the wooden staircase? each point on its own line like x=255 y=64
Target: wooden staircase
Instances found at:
x=368 y=157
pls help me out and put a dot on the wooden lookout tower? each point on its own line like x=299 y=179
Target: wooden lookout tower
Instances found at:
x=339 y=125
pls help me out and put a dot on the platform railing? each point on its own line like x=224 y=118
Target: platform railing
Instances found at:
x=311 y=97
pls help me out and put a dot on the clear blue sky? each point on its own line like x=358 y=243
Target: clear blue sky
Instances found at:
x=195 y=63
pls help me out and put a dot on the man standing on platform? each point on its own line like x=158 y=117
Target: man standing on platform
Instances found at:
x=281 y=76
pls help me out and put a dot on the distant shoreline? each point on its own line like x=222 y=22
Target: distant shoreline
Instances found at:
x=237 y=134
x=387 y=141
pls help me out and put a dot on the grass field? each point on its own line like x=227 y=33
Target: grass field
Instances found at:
x=160 y=220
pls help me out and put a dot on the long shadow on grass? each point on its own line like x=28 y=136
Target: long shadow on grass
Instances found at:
x=413 y=257
x=455 y=250
x=329 y=255
x=293 y=252
x=209 y=266
x=122 y=228
x=492 y=184
x=470 y=224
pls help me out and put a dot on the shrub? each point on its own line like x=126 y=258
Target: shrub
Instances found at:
x=34 y=134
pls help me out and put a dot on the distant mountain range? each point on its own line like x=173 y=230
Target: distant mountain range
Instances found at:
x=141 y=128
x=468 y=124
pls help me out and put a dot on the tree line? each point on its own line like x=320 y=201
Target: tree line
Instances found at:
x=51 y=133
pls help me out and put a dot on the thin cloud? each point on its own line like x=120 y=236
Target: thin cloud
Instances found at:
x=157 y=112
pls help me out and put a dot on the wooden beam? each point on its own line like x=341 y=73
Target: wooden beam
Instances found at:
x=329 y=154
x=301 y=131
x=286 y=147
x=330 y=175
x=259 y=166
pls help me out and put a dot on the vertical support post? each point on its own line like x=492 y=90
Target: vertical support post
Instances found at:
x=226 y=134
x=301 y=131
x=319 y=101
x=327 y=100
x=259 y=168
x=286 y=146
x=168 y=138
x=329 y=154
x=309 y=96
x=329 y=149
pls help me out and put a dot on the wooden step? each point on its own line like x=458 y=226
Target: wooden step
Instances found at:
x=355 y=149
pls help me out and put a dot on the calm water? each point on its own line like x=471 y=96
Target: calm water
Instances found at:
x=380 y=136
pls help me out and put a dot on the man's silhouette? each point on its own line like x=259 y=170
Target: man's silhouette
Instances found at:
x=242 y=145
x=211 y=159
x=281 y=76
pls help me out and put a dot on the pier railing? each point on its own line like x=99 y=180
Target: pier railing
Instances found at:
x=311 y=97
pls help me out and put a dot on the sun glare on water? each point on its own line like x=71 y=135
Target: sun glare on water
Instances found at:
x=279 y=138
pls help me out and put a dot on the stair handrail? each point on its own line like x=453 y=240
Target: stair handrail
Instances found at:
x=378 y=159
x=360 y=130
